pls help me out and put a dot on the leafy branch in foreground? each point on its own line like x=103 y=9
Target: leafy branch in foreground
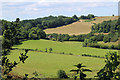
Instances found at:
x=110 y=69
x=80 y=70
x=8 y=66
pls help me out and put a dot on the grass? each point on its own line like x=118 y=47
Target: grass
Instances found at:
x=105 y=18
x=60 y=47
x=74 y=28
x=47 y=64
x=80 y=27
x=89 y=20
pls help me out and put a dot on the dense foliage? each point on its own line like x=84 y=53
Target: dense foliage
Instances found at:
x=48 y=22
x=105 y=26
x=90 y=16
x=112 y=28
x=11 y=33
x=14 y=32
x=66 y=37
x=110 y=69
x=61 y=74
x=58 y=37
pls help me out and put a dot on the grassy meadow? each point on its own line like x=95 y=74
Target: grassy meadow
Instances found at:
x=47 y=64
x=59 y=47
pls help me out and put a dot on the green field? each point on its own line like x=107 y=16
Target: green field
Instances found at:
x=60 y=47
x=48 y=64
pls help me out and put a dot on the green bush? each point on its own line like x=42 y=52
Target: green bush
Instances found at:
x=62 y=74
x=70 y=54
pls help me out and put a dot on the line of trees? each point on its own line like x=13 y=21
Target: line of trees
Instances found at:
x=49 y=22
x=21 y=32
x=90 y=40
x=89 y=16
x=58 y=37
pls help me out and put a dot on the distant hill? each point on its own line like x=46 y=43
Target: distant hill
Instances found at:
x=79 y=27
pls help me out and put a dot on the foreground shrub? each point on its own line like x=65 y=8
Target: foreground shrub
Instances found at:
x=62 y=74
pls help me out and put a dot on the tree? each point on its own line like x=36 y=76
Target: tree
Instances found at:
x=80 y=70
x=62 y=74
x=45 y=49
x=10 y=34
x=28 y=26
x=106 y=38
x=36 y=33
x=99 y=37
x=40 y=26
x=109 y=70
x=90 y=16
x=89 y=41
x=106 y=26
x=75 y=18
x=33 y=36
x=86 y=41
x=83 y=17
x=59 y=38
x=66 y=37
x=41 y=34
x=50 y=50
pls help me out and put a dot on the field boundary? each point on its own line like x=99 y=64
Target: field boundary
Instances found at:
x=35 y=50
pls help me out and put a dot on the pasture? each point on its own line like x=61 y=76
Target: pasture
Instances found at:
x=79 y=27
x=59 y=47
x=47 y=64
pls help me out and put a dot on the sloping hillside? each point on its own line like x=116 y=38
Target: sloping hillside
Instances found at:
x=80 y=27
x=74 y=28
